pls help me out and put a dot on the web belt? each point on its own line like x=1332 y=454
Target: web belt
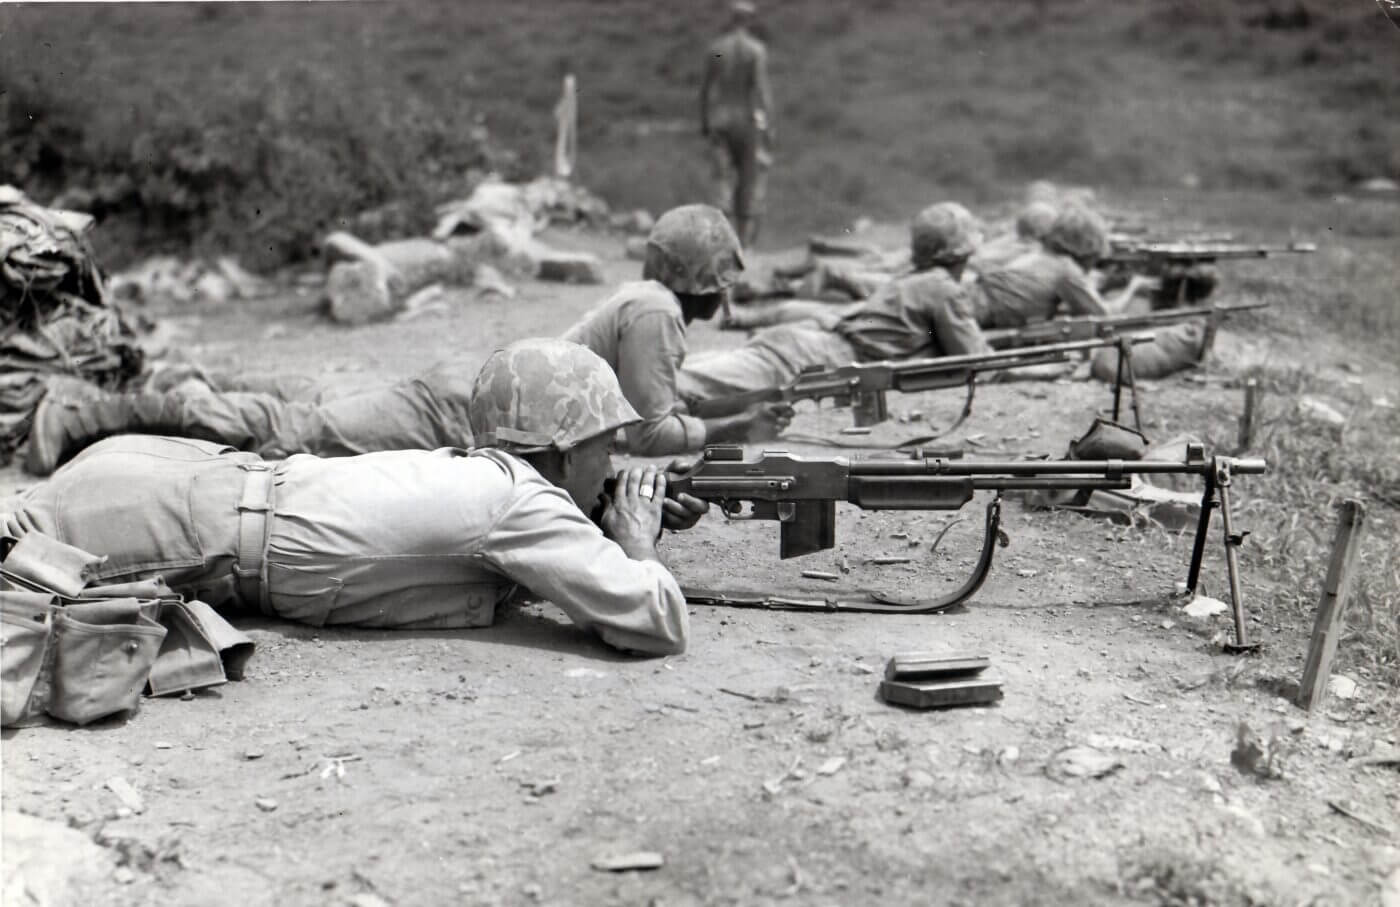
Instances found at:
x=254 y=512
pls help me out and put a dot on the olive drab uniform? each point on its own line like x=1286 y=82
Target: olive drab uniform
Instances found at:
x=736 y=116
x=923 y=313
x=640 y=332
x=277 y=419
x=918 y=315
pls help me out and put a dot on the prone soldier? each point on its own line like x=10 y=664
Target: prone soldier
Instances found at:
x=408 y=539
x=692 y=258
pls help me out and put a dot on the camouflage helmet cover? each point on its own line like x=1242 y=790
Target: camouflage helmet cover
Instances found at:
x=693 y=249
x=1079 y=232
x=944 y=234
x=1034 y=220
x=542 y=394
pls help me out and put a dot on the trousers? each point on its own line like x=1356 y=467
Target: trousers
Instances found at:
x=772 y=358
x=740 y=164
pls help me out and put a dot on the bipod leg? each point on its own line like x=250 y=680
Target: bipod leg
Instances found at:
x=1232 y=564
x=1198 y=545
x=1118 y=379
x=1212 y=327
x=1125 y=359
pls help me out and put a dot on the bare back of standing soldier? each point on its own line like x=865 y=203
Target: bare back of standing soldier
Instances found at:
x=736 y=116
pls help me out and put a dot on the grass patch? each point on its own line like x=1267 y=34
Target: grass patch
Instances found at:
x=261 y=124
x=1294 y=513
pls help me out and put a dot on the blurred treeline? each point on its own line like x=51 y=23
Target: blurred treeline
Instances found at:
x=253 y=128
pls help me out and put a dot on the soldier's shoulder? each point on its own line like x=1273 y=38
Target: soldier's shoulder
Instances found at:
x=933 y=278
x=501 y=471
x=644 y=297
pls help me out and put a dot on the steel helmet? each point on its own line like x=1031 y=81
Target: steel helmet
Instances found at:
x=543 y=394
x=1035 y=220
x=693 y=249
x=1078 y=232
x=943 y=234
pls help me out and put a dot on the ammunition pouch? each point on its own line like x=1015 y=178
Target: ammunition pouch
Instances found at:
x=79 y=653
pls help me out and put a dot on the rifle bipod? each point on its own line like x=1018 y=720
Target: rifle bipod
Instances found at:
x=878 y=602
x=1217 y=494
x=1123 y=373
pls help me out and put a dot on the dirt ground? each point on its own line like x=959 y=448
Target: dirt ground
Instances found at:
x=493 y=766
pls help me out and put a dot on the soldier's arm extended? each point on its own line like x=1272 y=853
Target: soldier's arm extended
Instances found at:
x=546 y=544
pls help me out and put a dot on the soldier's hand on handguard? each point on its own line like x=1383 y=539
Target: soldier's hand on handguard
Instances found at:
x=633 y=514
x=682 y=511
x=766 y=421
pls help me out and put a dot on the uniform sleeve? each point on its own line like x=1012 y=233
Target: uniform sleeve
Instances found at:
x=649 y=354
x=546 y=544
x=1078 y=294
x=944 y=309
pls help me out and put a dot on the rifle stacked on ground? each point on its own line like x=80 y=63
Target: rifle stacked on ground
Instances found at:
x=1104 y=327
x=800 y=494
x=864 y=385
x=1184 y=268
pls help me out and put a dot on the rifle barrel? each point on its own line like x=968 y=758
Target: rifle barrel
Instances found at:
x=1246 y=466
x=1108 y=326
x=1005 y=357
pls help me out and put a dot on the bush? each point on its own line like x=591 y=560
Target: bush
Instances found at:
x=261 y=170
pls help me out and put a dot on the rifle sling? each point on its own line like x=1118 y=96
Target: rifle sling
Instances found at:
x=907 y=443
x=878 y=602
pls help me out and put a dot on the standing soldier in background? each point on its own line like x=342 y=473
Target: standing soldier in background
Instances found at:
x=736 y=110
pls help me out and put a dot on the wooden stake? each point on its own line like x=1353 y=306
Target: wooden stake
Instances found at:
x=1312 y=692
x=1251 y=393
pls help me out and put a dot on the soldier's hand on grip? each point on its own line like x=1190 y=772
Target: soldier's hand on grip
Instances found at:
x=633 y=515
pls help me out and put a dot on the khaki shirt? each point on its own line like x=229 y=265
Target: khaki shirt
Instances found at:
x=640 y=332
x=1000 y=252
x=1032 y=288
x=901 y=320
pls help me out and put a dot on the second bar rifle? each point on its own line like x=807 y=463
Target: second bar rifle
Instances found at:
x=863 y=385
x=1087 y=327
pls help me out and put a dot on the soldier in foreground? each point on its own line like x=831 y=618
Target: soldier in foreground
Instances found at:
x=736 y=116
x=692 y=256
x=403 y=539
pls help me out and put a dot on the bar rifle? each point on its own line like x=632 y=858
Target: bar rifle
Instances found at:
x=1184 y=267
x=800 y=494
x=1063 y=330
x=863 y=385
